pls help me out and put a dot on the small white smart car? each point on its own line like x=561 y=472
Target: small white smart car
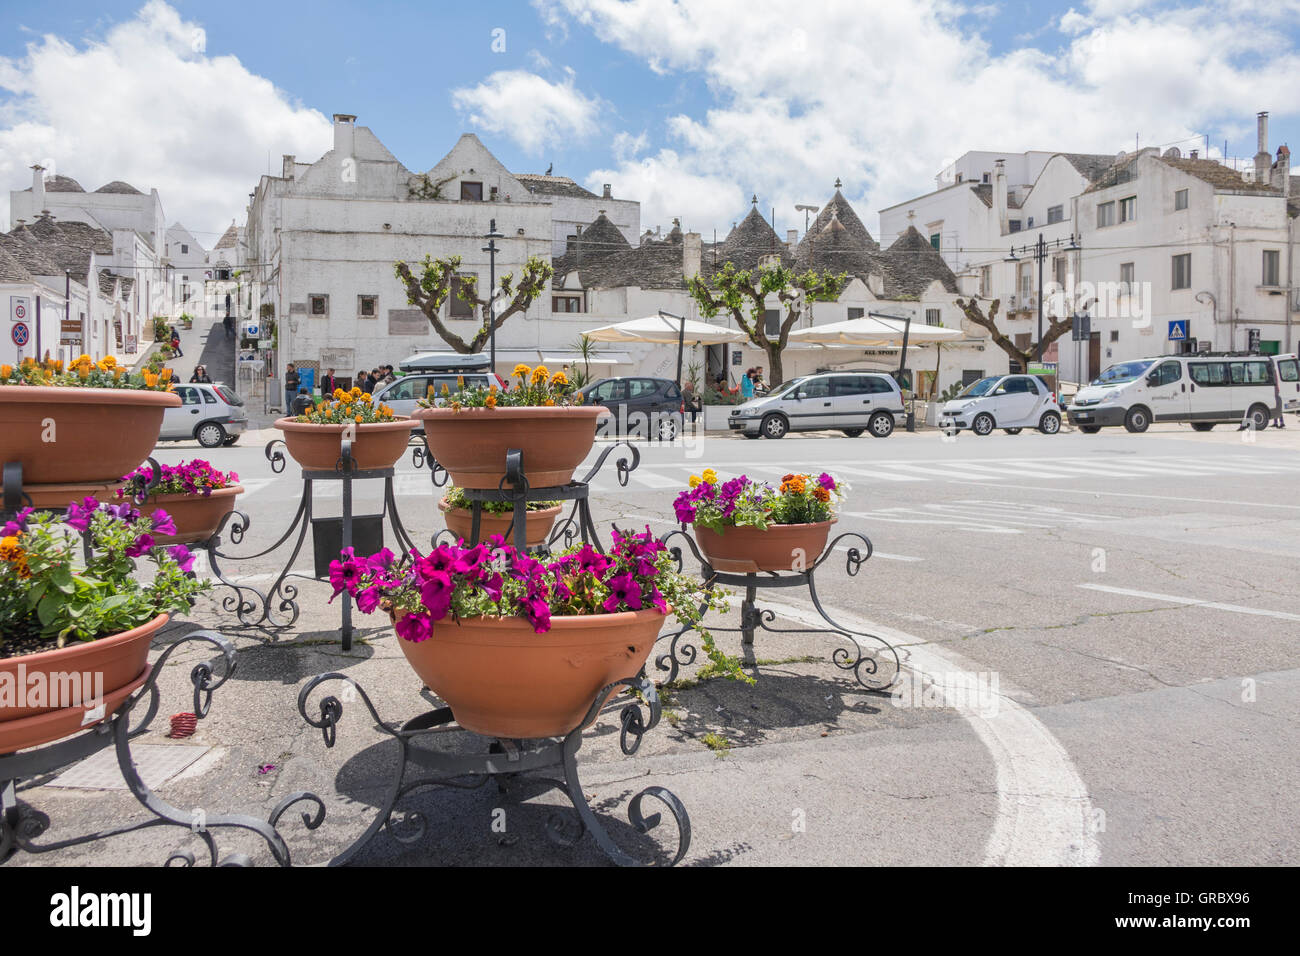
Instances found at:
x=1009 y=402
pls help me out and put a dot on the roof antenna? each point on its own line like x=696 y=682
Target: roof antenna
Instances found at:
x=549 y=168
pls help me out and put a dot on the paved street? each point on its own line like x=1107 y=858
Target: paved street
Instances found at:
x=1099 y=642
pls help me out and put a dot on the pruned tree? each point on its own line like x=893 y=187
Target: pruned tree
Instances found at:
x=743 y=294
x=1024 y=357
x=430 y=283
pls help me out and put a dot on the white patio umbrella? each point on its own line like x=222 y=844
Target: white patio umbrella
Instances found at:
x=872 y=332
x=665 y=329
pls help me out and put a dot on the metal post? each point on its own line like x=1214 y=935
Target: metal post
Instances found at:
x=681 y=341
x=491 y=250
x=347 y=463
x=1040 y=253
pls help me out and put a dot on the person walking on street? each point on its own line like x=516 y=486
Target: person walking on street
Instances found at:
x=201 y=375
x=176 y=342
x=747 y=385
x=229 y=323
x=328 y=383
x=290 y=386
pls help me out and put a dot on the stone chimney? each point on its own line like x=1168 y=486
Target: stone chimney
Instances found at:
x=692 y=252
x=1195 y=154
x=286 y=166
x=1281 y=178
x=1262 y=157
x=345 y=128
x=607 y=194
x=1000 y=193
x=38 y=186
x=792 y=237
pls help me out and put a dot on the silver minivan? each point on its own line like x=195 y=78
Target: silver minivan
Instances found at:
x=850 y=401
x=210 y=414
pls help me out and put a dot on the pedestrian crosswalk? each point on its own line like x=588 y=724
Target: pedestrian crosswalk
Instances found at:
x=668 y=476
x=986 y=470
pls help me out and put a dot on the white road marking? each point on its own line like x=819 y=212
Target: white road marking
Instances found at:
x=1168 y=499
x=941 y=470
x=883 y=554
x=1196 y=602
x=651 y=480
x=1045 y=816
x=877 y=473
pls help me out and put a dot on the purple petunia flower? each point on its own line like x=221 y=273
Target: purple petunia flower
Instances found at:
x=182 y=556
x=18 y=525
x=368 y=599
x=380 y=560
x=435 y=594
x=163 y=523
x=142 y=545
x=623 y=589
x=415 y=627
x=78 y=515
x=826 y=481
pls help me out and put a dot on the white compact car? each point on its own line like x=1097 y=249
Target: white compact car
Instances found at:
x=1009 y=402
x=211 y=414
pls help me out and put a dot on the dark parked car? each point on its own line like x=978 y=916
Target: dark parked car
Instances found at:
x=642 y=407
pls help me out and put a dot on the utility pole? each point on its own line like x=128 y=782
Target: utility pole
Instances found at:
x=491 y=250
x=1039 y=251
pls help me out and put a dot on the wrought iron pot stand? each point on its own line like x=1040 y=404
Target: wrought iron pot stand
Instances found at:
x=21 y=825
x=512 y=763
x=876 y=671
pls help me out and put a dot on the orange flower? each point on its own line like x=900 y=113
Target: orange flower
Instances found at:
x=166 y=375
x=821 y=494
x=6 y=371
x=150 y=379
x=357 y=419
x=491 y=401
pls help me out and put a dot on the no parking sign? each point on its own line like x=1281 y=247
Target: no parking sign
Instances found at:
x=20 y=334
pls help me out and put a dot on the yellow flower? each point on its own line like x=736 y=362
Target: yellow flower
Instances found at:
x=710 y=476
x=356 y=392
x=150 y=379
x=9 y=549
x=365 y=397
x=338 y=394
x=83 y=372
x=357 y=419
x=491 y=401
x=109 y=361
x=493 y=389
x=695 y=481
x=166 y=375
x=522 y=370
x=540 y=374
x=6 y=371
x=117 y=374
x=550 y=401
x=460 y=381
x=559 y=378
x=445 y=389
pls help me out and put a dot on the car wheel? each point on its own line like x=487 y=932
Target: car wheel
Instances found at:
x=853 y=432
x=1013 y=431
x=1202 y=426
x=210 y=434
x=1258 y=417
x=1050 y=423
x=881 y=425
x=1138 y=419
x=983 y=424
x=774 y=426
x=1090 y=429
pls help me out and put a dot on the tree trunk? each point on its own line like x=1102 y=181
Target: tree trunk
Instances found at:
x=776 y=372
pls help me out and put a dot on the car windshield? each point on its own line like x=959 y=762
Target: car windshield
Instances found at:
x=782 y=389
x=1124 y=372
x=979 y=388
x=230 y=397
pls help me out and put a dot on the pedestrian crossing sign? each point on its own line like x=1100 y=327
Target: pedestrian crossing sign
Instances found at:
x=1178 y=330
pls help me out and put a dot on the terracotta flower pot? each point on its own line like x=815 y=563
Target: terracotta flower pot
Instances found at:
x=94 y=434
x=317 y=447
x=80 y=675
x=196 y=517
x=472 y=443
x=503 y=680
x=537 y=526
x=782 y=547
x=60 y=496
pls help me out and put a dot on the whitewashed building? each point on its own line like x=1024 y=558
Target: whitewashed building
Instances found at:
x=1149 y=245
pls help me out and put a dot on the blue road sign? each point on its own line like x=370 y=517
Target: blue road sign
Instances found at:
x=1178 y=330
x=20 y=333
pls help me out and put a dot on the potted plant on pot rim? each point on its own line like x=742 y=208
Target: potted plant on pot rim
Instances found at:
x=469 y=431
x=75 y=632
x=196 y=495
x=81 y=425
x=315 y=439
x=497 y=517
x=745 y=526
x=518 y=647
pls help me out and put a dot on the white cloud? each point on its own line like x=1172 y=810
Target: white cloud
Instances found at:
x=146 y=104
x=530 y=109
x=882 y=101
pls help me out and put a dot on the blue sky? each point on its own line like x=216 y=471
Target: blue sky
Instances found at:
x=690 y=107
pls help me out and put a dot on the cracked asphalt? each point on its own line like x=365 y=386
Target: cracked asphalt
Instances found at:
x=1132 y=598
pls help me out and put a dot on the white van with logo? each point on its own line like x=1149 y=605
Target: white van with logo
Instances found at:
x=1204 y=390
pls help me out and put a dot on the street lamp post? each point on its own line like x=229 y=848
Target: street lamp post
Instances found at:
x=491 y=250
x=1039 y=251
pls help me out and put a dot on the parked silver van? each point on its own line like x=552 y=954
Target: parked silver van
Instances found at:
x=851 y=402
